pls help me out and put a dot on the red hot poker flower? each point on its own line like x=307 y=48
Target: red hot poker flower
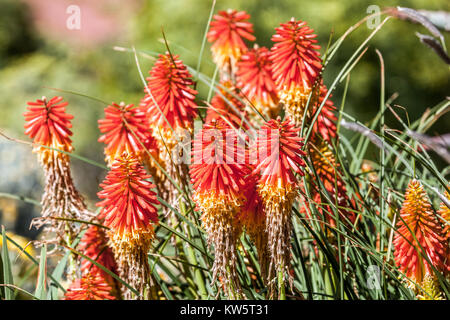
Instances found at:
x=278 y=147
x=172 y=98
x=295 y=58
x=227 y=31
x=296 y=66
x=254 y=78
x=417 y=216
x=219 y=182
x=48 y=124
x=128 y=201
x=125 y=129
x=92 y=286
x=282 y=145
x=128 y=209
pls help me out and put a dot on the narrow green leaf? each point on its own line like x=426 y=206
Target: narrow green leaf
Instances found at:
x=7 y=272
x=41 y=282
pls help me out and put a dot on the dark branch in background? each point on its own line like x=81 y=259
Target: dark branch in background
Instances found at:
x=439 y=144
x=434 y=45
x=356 y=127
x=415 y=17
x=440 y=18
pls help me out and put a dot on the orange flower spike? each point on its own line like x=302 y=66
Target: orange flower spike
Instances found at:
x=277 y=187
x=92 y=286
x=220 y=186
x=48 y=124
x=296 y=66
x=254 y=78
x=294 y=55
x=417 y=215
x=129 y=203
x=227 y=31
x=284 y=154
x=170 y=84
x=128 y=209
x=125 y=129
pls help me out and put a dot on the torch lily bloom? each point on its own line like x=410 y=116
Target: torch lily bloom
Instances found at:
x=296 y=67
x=418 y=235
x=128 y=209
x=125 y=129
x=279 y=156
x=48 y=124
x=219 y=186
x=227 y=33
x=254 y=78
x=171 y=110
x=170 y=102
x=92 y=286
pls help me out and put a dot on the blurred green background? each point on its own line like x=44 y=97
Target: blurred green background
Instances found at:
x=38 y=52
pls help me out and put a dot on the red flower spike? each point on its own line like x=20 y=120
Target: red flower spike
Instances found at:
x=172 y=98
x=417 y=215
x=48 y=124
x=128 y=201
x=128 y=209
x=295 y=59
x=92 y=286
x=219 y=182
x=215 y=171
x=125 y=129
x=254 y=78
x=283 y=146
x=227 y=31
x=278 y=147
x=296 y=68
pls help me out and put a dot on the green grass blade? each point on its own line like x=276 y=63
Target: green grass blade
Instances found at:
x=7 y=272
x=42 y=281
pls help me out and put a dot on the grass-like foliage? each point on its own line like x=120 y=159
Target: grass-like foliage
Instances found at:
x=346 y=229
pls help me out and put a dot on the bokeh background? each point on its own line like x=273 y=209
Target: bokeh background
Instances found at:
x=38 y=52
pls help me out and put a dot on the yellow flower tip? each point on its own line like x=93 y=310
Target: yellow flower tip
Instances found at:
x=429 y=289
x=278 y=195
x=295 y=99
x=132 y=243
